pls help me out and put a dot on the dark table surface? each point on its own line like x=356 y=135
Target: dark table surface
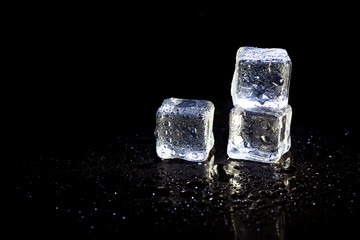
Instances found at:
x=84 y=161
x=122 y=189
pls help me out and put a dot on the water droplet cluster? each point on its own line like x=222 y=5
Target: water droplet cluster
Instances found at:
x=123 y=188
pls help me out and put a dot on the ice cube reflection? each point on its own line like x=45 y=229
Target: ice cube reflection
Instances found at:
x=256 y=194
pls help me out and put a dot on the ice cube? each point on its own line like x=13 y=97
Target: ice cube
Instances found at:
x=184 y=129
x=261 y=78
x=259 y=135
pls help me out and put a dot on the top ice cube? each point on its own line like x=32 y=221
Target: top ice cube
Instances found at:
x=261 y=78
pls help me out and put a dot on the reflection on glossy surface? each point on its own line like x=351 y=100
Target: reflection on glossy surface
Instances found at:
x=254 y=195
x=124 y=187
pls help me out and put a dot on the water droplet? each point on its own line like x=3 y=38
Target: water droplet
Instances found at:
x=182 y=152
x=167 y=123
x=193 y=132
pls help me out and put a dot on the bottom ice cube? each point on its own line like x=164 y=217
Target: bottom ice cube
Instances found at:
x=259 y=135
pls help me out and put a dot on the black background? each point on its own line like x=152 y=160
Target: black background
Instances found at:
x=87 y=71
x=82 y=74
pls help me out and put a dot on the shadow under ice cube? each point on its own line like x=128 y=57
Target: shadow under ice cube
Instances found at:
x=259 y=135
x=261 y=78
x=184 y=129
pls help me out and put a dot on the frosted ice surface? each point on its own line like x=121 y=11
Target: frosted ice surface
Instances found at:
x=259 y=135
x=261 y=78
x=184 y=129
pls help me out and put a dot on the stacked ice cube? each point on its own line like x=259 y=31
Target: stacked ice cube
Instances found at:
x=260 y=121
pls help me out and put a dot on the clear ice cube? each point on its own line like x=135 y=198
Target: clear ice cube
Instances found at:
x=261 y=78
x=184 y=129
x=259 y=135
